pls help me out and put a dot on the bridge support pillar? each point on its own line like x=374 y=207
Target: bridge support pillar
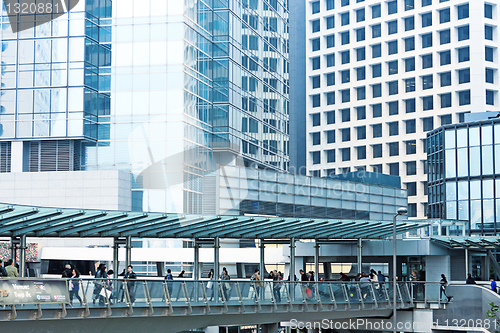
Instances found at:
x=269 y=328
x=292 y=259
x=128 y=251
x=316 y=260
x=196 y=267
x=360 y=257
x=22 y=256
x=262 y=268
x=13 y=248
x=216 y=258
x=467 y=263
x=116 y=246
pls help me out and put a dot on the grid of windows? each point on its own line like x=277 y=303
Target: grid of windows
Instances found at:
x=390 y=42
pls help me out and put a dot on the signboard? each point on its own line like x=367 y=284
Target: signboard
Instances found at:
x=32 y=291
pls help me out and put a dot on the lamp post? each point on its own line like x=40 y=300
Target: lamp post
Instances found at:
x=401 y=211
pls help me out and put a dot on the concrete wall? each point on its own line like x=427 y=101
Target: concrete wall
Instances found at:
x=106 y=189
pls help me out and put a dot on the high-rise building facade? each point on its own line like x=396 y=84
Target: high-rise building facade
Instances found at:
x=163 y=89
x=383 y=73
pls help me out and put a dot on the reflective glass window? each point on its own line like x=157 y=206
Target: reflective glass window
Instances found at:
x=392 y=27
x=445 y=79
x=376 y=11
x=377 y=152
x=426 y=61
x=488 y=32
x=376 y=30
x=392 y=7
x=392 y=47
x=488 y=53
x=464 y=97
x=463 y=54
x=444 y=37
x=410 y=84
x=463 y=33
x=409 y=44
x=360 y=73
x=427 y=40
x=444 y=15
x=410 y=64
x=450 y=165
x=464 y=76
x=376 y=51
x=376 y=70
x=445 y=100
x=487 y=160
x=426 y=20
x=409 y=4
x=330 y=22
x=409 y=23
x=410 y=105
x=463 y=11
x=445 y=58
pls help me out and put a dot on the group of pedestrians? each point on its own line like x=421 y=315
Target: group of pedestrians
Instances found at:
x=10 y=269
x=104 y=286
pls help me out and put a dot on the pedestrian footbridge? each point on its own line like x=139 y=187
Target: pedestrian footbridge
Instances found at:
x=173 y=306
x=155 y=305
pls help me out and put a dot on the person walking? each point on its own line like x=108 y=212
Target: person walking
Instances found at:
x=74 y=286
x=3 y=272
x=130 y=276
x=380 y=277
x=68 y=272
x=493 y=284
x=181 y=274
x=364 y=285
x=226 y=286
x=103 y=276
x=277 y=286
x=311 y=285
x=258 y=282
x=470 y=280
x=210 y=284
x=11 y=269
x=442 y=288
x=97 y=283
x=413 y=278
x=169 y=278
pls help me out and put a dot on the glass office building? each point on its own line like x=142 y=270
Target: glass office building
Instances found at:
x=163 y=89
x=464 y=174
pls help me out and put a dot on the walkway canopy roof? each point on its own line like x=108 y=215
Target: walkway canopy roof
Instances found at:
x=471 y=243
x=17 y=220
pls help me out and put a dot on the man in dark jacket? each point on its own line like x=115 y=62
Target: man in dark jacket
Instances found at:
x=3 y=272
x=68 y=272
x=130 y=275
x=380 y=277
x=470 y=280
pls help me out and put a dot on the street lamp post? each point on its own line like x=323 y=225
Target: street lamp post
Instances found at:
x=401 y=211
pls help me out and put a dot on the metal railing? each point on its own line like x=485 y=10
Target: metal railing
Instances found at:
x=152 y=295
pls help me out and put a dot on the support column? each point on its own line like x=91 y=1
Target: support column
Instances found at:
x=466 y=262
x=360 y=258
x=196 y=267
x=292 y=259
x=13 y=247
x=116 y=266
x=22 y=257
x=262 y=259
x=216 y=258
x=128 y=251
x=316 y=260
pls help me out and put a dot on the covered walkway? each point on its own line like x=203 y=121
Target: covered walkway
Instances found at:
x=19 y=222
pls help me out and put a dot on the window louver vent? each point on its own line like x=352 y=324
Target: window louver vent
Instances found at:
x=5 y=157
x=61 y=155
